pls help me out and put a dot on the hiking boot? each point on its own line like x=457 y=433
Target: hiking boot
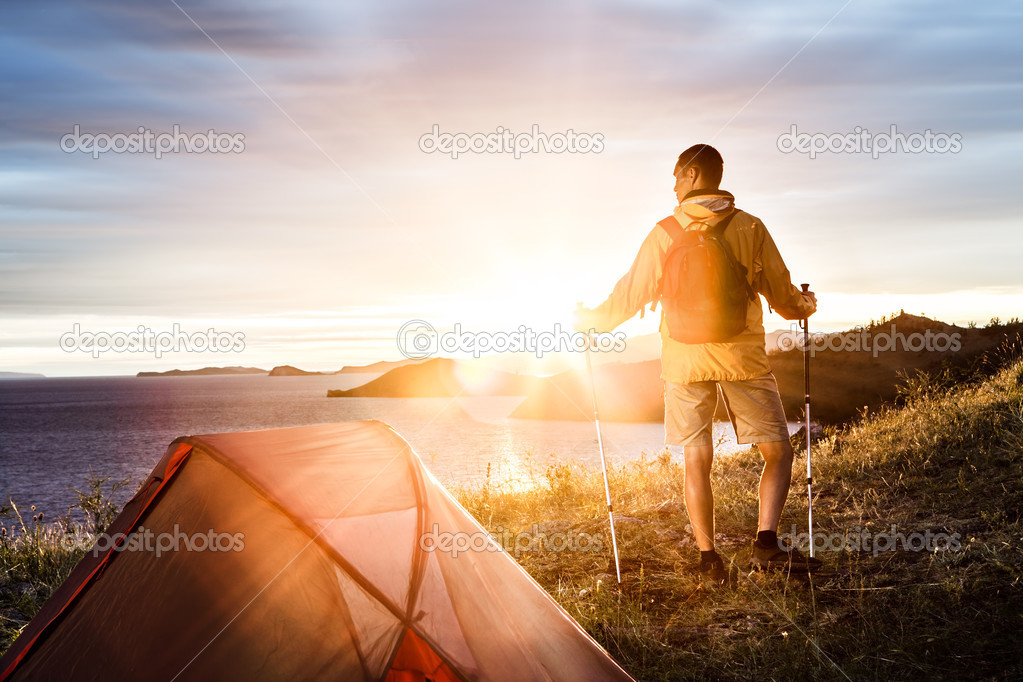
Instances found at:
x=775 y=558
x=713 y=573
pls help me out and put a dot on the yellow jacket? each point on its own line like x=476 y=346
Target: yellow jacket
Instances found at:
x=744 y=356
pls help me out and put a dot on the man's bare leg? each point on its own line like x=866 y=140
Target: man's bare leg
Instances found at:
x=774 y=481
x=774 y=487
x=699 y=495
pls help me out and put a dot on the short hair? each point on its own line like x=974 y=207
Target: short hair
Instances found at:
x=704 y=159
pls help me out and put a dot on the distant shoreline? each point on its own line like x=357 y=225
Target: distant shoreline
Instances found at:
x=21 y=375
x=205 y=371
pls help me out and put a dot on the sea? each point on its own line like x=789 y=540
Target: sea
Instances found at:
x=57 y=432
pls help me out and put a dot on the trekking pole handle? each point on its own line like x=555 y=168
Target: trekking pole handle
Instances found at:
x=803 y=322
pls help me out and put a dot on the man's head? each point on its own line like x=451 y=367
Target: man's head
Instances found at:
x=699 y=167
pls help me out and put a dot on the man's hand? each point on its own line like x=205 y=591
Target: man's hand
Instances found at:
x=812 y=297
x=585 y=320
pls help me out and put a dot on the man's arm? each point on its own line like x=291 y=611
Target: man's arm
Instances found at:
x=773 y=280
x=639 y=286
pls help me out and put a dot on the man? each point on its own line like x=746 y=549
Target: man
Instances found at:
x=736 y=368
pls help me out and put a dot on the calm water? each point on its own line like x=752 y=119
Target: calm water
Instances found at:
x=53 y=430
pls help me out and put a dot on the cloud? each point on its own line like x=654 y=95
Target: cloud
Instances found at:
x=332 y=203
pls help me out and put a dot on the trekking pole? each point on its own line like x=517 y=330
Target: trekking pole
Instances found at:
x=600 y=445
x=805 y=324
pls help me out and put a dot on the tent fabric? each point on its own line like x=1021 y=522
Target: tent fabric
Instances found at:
x=93 y=563
x=415 y=661
x=299 y=556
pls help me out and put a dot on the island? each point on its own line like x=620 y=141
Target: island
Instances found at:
x=205 y=371
x=441 y=378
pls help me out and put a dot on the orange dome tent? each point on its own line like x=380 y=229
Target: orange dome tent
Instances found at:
x=298 y=555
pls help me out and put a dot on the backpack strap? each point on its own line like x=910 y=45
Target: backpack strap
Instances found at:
x=673 y=227
x=718 y=232
x=720 y=228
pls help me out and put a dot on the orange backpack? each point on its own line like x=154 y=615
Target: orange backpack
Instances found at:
x=704 y=291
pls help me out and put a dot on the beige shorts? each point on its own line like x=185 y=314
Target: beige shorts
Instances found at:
x=753 y=406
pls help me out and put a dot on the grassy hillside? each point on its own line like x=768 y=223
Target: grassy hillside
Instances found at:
x=948 y=461
x=851 y=371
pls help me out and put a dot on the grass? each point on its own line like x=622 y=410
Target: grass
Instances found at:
x=36 y=556
x=948 y=459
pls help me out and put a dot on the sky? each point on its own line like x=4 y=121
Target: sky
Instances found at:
x=326 y=222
